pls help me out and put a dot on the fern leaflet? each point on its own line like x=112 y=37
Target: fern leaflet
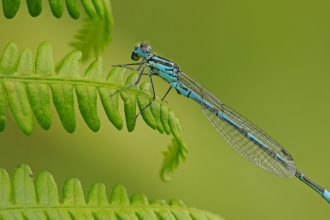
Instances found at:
x=26 y=85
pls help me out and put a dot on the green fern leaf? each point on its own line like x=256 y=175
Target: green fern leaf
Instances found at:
x=110 y=103
x=21 y=199
x=34 y=7
x=9 y=59
x=73 y=8
x=143 y=101
x=56 y=7
x=10 y=7
x=26 y=85
x=130 y=102
x=19 y=105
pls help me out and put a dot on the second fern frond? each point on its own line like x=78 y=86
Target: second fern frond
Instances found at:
x=22 y=199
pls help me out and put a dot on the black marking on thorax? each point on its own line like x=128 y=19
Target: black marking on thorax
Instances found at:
x=163 y=61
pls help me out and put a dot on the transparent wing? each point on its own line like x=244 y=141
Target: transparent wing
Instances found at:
x=235 y=138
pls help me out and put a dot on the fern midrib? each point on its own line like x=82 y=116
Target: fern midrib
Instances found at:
x=72 y=81
x=98 y=207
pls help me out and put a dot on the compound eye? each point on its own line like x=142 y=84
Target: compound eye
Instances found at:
x=135 y=56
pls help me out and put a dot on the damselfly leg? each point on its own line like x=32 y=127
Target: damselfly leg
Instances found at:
x=167 y=93
x=131 y=86
x=130 y=64
x=153 y=98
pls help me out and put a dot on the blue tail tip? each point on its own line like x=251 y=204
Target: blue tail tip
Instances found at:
x=326 y=195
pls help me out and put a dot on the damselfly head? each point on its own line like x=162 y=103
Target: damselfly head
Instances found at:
x=142 y=50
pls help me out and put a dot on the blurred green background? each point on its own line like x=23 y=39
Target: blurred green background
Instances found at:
x=269 y=61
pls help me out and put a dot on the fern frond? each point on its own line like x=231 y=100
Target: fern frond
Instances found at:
x=26 y=85
x=21 y=199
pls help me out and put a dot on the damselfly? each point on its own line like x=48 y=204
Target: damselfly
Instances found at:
x=246 y=138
